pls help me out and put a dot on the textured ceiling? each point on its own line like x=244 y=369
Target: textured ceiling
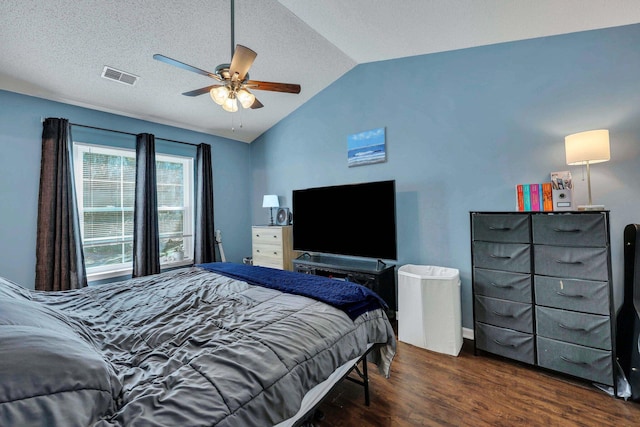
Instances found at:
x=57 y=49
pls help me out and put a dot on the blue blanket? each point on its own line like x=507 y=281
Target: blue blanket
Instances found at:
x=349 y=297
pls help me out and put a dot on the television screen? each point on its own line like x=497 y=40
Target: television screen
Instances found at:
x=356 y=220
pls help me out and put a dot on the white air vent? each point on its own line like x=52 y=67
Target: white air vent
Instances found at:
x=119 y=76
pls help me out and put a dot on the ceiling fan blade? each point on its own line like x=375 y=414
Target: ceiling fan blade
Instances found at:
x=242 y=59
x=200 y=91
x=274 y=87
x=184 y=66
x=256 y=104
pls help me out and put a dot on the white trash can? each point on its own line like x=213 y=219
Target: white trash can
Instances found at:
x=429 y=308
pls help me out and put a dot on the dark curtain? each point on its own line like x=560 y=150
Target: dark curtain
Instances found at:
x=146 y=236
x=59 y=256
x=204 y=234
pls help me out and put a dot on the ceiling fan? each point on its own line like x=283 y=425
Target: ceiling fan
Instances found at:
x=233 y=78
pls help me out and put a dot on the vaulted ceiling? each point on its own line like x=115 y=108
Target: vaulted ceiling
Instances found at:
x=57 y=49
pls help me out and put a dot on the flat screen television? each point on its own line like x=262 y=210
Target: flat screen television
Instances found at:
x=355 y=219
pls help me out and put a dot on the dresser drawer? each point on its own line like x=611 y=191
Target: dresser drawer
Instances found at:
x=502 y=256
x=501 y=228
x=508 y=314
x=505 y=342
x=570 y=230
x=564 y=261
x=590 y=330
x=266 y=235
x=584 y=362
x=502 y=284
x=572 y=294
x=267 y=254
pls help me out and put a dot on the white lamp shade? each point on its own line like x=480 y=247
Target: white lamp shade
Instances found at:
x=230 y=104
x=219 y=94
x=591 y=146
x=270 y=201
x=246 y=98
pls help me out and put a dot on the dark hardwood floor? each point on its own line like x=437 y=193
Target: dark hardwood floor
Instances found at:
x=431 y=389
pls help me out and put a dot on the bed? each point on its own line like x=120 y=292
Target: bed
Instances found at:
x=216 y=344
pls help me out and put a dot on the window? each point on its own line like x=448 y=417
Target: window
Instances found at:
x=105 y=185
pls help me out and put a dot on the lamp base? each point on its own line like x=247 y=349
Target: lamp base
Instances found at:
x=271 y=223
x=590 y=207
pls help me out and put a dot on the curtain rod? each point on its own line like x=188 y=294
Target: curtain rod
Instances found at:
x=129 y=133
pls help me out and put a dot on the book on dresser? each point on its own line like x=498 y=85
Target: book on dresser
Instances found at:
x=542 y=291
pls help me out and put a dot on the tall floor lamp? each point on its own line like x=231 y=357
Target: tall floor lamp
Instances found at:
x=586 y=148
x=270 y=201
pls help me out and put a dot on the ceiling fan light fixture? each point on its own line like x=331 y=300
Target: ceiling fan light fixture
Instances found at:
x=230 y=104
x=245 y=97
x=233 y=78
x=219 y=94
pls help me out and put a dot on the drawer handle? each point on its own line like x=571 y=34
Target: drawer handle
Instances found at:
x=500 y=256
x=570 y=328
x=562 y=294
x=501 y=314
x=500 y=343
x=575 y=362
x=500 y=228
x=495 y=285
x=559 y=261
x=571 y=230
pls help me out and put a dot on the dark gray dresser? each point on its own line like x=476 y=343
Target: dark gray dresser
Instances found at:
x=542 y=290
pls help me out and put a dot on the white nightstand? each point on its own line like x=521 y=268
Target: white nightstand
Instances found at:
x=272 y=246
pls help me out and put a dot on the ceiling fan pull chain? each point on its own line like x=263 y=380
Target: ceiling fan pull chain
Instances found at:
x=233 y=128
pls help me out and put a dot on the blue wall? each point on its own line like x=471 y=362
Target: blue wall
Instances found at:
x=462 y=128
x=20 y=145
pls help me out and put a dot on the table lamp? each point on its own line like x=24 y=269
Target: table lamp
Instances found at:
x=270 y=201
x=586 y=148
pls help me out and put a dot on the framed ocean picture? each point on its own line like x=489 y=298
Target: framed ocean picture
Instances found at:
x=366 y=147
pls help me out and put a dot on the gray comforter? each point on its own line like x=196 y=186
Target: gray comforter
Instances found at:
x=183 y=348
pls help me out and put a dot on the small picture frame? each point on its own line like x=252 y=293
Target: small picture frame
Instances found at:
x=366 y=148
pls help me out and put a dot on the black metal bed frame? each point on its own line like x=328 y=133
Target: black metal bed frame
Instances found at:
x=363 y=379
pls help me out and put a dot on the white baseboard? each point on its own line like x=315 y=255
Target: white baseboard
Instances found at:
x=467 y=333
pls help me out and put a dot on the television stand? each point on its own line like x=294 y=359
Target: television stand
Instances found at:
x=375 y=275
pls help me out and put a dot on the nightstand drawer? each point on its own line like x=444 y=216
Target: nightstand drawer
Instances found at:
x=570 y=230
x=267 y=235
x=502 y=256
x=501 y=228
x=572 y=294
x=577 y=360
x=564 y=261
x=263 y=251
x=508 y=314
x=502 y=284
x=505 y=342
x=591 y=330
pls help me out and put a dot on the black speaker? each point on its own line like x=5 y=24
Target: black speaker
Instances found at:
x=628 y=321
x=283 y=216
